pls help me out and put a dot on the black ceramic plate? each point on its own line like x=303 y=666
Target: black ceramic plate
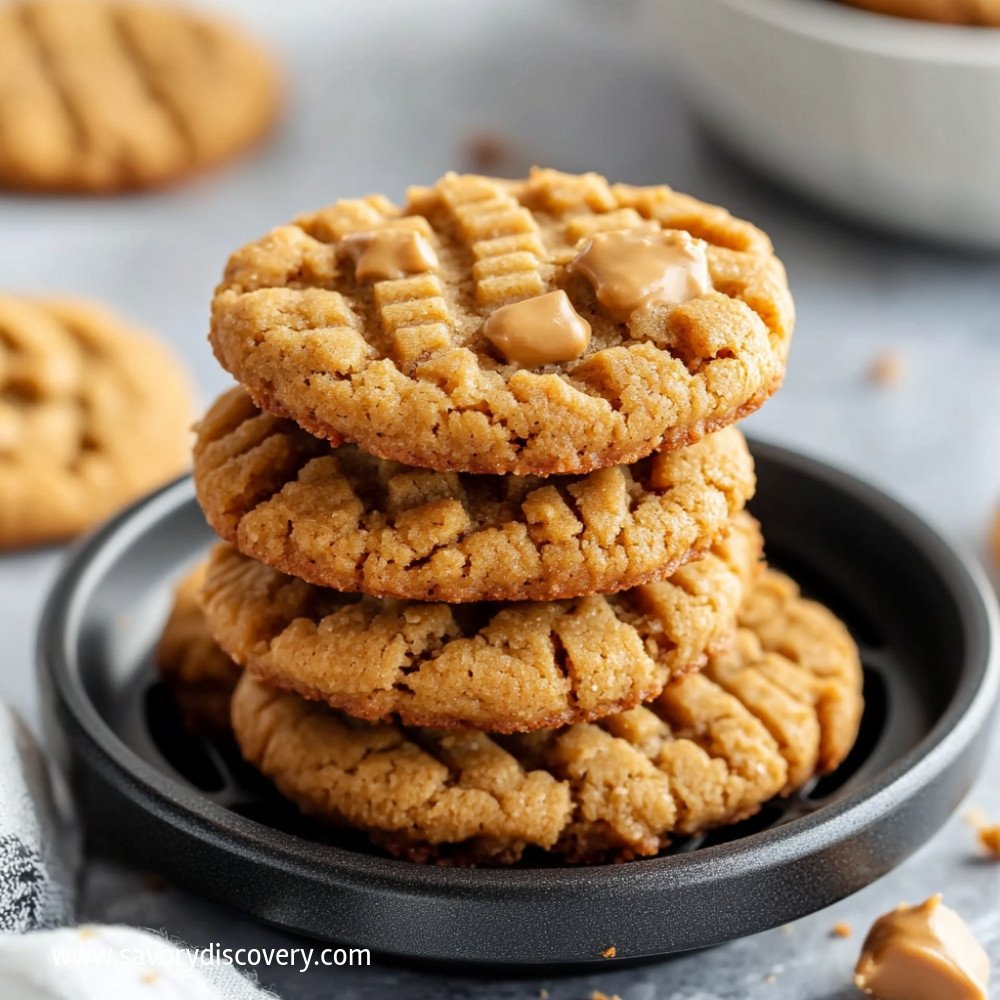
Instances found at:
x=191 y=810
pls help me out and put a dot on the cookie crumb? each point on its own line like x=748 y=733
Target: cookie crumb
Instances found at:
x=989 y=837
x=887 y=369
x=154 y=882
x=770 y=979
x=841 y=930
x=989 y=833
x=486 y=150
x=86 y=932
x=598 y=995
x=609 y=952
x=150 y=977
x=975 y=817
x=543 y=995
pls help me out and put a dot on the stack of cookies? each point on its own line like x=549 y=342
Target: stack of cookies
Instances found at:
x=487 y=574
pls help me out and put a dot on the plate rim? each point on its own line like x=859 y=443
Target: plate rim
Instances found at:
x=197 y=816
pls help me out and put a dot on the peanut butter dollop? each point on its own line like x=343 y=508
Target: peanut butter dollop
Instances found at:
x=635 y=269
x=542 y=330
x=389 y=253
x=923 y=952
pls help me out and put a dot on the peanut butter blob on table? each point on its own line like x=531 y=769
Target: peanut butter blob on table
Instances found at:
x=923 y=952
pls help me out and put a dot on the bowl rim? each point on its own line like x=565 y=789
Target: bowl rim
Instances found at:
x=208 y=821
x=832 y=23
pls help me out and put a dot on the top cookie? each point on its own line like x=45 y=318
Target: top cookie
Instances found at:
x=101 y=96
x=553 y=325
x=341 y=518
x=92 y=414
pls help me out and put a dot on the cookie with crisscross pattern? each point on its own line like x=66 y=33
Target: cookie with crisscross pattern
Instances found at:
x=781 y=705
x=463 y=332
x=338 y=517
x=500 y=667
x=100 y=96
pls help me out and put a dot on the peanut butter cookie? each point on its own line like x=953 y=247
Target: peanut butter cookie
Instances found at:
x=505 y=668
x=781 y=705
x=338 y=517
x=553 y=325
x=200 y=675
x=98 y=96
x=985 y=13
x=92 y=415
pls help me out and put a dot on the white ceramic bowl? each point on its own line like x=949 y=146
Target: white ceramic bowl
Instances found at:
x=896 y=122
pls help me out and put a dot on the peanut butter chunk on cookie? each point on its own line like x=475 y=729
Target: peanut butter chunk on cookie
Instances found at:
x=92 y=415
x=337 y=517
x=502 y=668
x=389 y=253
x=637 y=270
x=540 y=331
x=503 y=358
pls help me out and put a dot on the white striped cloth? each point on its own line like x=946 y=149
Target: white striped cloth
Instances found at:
x=44 y=957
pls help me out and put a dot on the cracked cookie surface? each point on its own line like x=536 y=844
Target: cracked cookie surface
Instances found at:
x=501 y=667
x=198 y=672
x=337 y=517
x=780 y=705
x=92 y=415
x=402 y=366
x=102 y=96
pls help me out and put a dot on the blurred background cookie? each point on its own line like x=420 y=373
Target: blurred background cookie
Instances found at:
x=982 y=12
x=103 y=97
x=92 y=414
